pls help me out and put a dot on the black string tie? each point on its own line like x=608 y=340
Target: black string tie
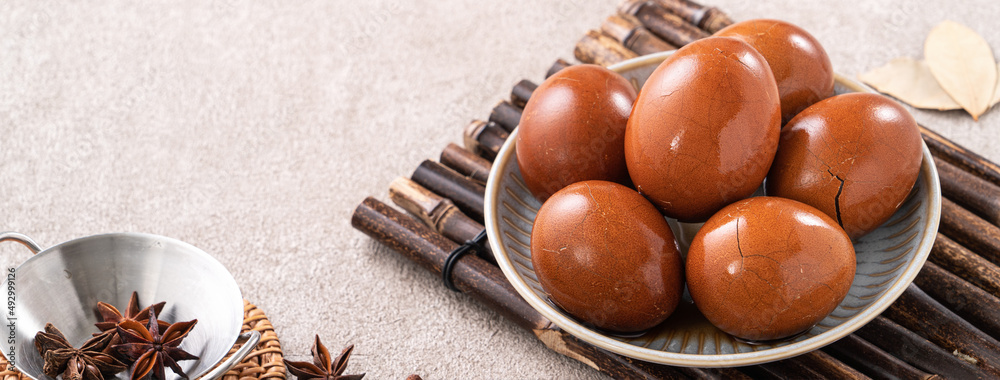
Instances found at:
x=476 y=244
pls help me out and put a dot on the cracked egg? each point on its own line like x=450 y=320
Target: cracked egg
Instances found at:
x=767 y=268
x=704 y=129
x=606 y=255
x=887 y=260
x=853 y=156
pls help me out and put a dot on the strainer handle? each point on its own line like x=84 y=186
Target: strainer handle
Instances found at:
x=20 y=238
x=250 y=340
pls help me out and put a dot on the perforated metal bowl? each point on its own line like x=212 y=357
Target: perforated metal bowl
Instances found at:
x=62 y=285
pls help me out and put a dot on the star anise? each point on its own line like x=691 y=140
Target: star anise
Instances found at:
x=324 y=368
x=111 y=317
x=85 y=363
x=150 y=350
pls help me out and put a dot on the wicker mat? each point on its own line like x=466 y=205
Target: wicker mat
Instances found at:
x=264 y=362
x=7 y=373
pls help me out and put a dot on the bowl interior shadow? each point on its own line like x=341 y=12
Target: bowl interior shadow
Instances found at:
x=62 y=285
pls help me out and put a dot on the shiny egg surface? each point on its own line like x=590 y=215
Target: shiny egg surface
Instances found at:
x=854 y=156
x=606 y=256
x=704 y=129
x=573 y=129
x=799 y=63
x=768 y=268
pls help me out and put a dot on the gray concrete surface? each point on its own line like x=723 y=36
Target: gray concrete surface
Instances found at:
x=253 y=129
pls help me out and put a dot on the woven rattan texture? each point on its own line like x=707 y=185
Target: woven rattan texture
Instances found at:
x=7 y=373
x=265 y=361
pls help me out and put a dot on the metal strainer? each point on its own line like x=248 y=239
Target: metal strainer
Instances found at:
x=63 y=284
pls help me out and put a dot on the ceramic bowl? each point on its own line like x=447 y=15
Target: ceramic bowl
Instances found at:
x=888 y=260
x=62 y=285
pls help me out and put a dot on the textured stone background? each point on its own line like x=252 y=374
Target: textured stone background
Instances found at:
x=253 y=129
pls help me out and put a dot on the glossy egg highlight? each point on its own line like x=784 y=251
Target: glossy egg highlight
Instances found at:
x=605 y=255
x=704 y=129
x=800 y=65
x=768 y=268
x=854 y=156
x=573 y=129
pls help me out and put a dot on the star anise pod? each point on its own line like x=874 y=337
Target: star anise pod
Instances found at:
x=85 y=363
x=150 y=350
x=324 y=368
x=111 y=317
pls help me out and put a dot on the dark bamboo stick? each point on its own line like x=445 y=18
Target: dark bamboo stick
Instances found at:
x=608 y=363
x=965 y=264
x=470 y=137
x=600 y=49
x=630 y=33
x=487 y=284
x=469 y=164
x=506 y=115
x=709 y=19
x=969 y=191
x=485 y=138
x=873 y=361
x=829 y=366
x=559 y=64
x=713 y=373
x=521 y=92
x=753 y=372
x=973 y=304
x=467 y=195
x=471 y=274
x=811 y=365
x=790 y=369
x=971 y=231
x=670 y=27
x=915 y=350
x=437 y=212
x=920 y=313
x=961 y=157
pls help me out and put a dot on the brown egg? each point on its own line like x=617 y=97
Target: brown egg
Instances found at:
x=573 y=129
x=767 y=268
x=606 y=256
x=704 y=128
x=853 y=156
x=800 y=65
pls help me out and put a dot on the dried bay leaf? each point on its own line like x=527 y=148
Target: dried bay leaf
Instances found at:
x=911 y=82
x=962 y=62
x=996 y=93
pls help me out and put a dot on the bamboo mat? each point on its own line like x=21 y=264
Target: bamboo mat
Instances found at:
x=484 y=138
